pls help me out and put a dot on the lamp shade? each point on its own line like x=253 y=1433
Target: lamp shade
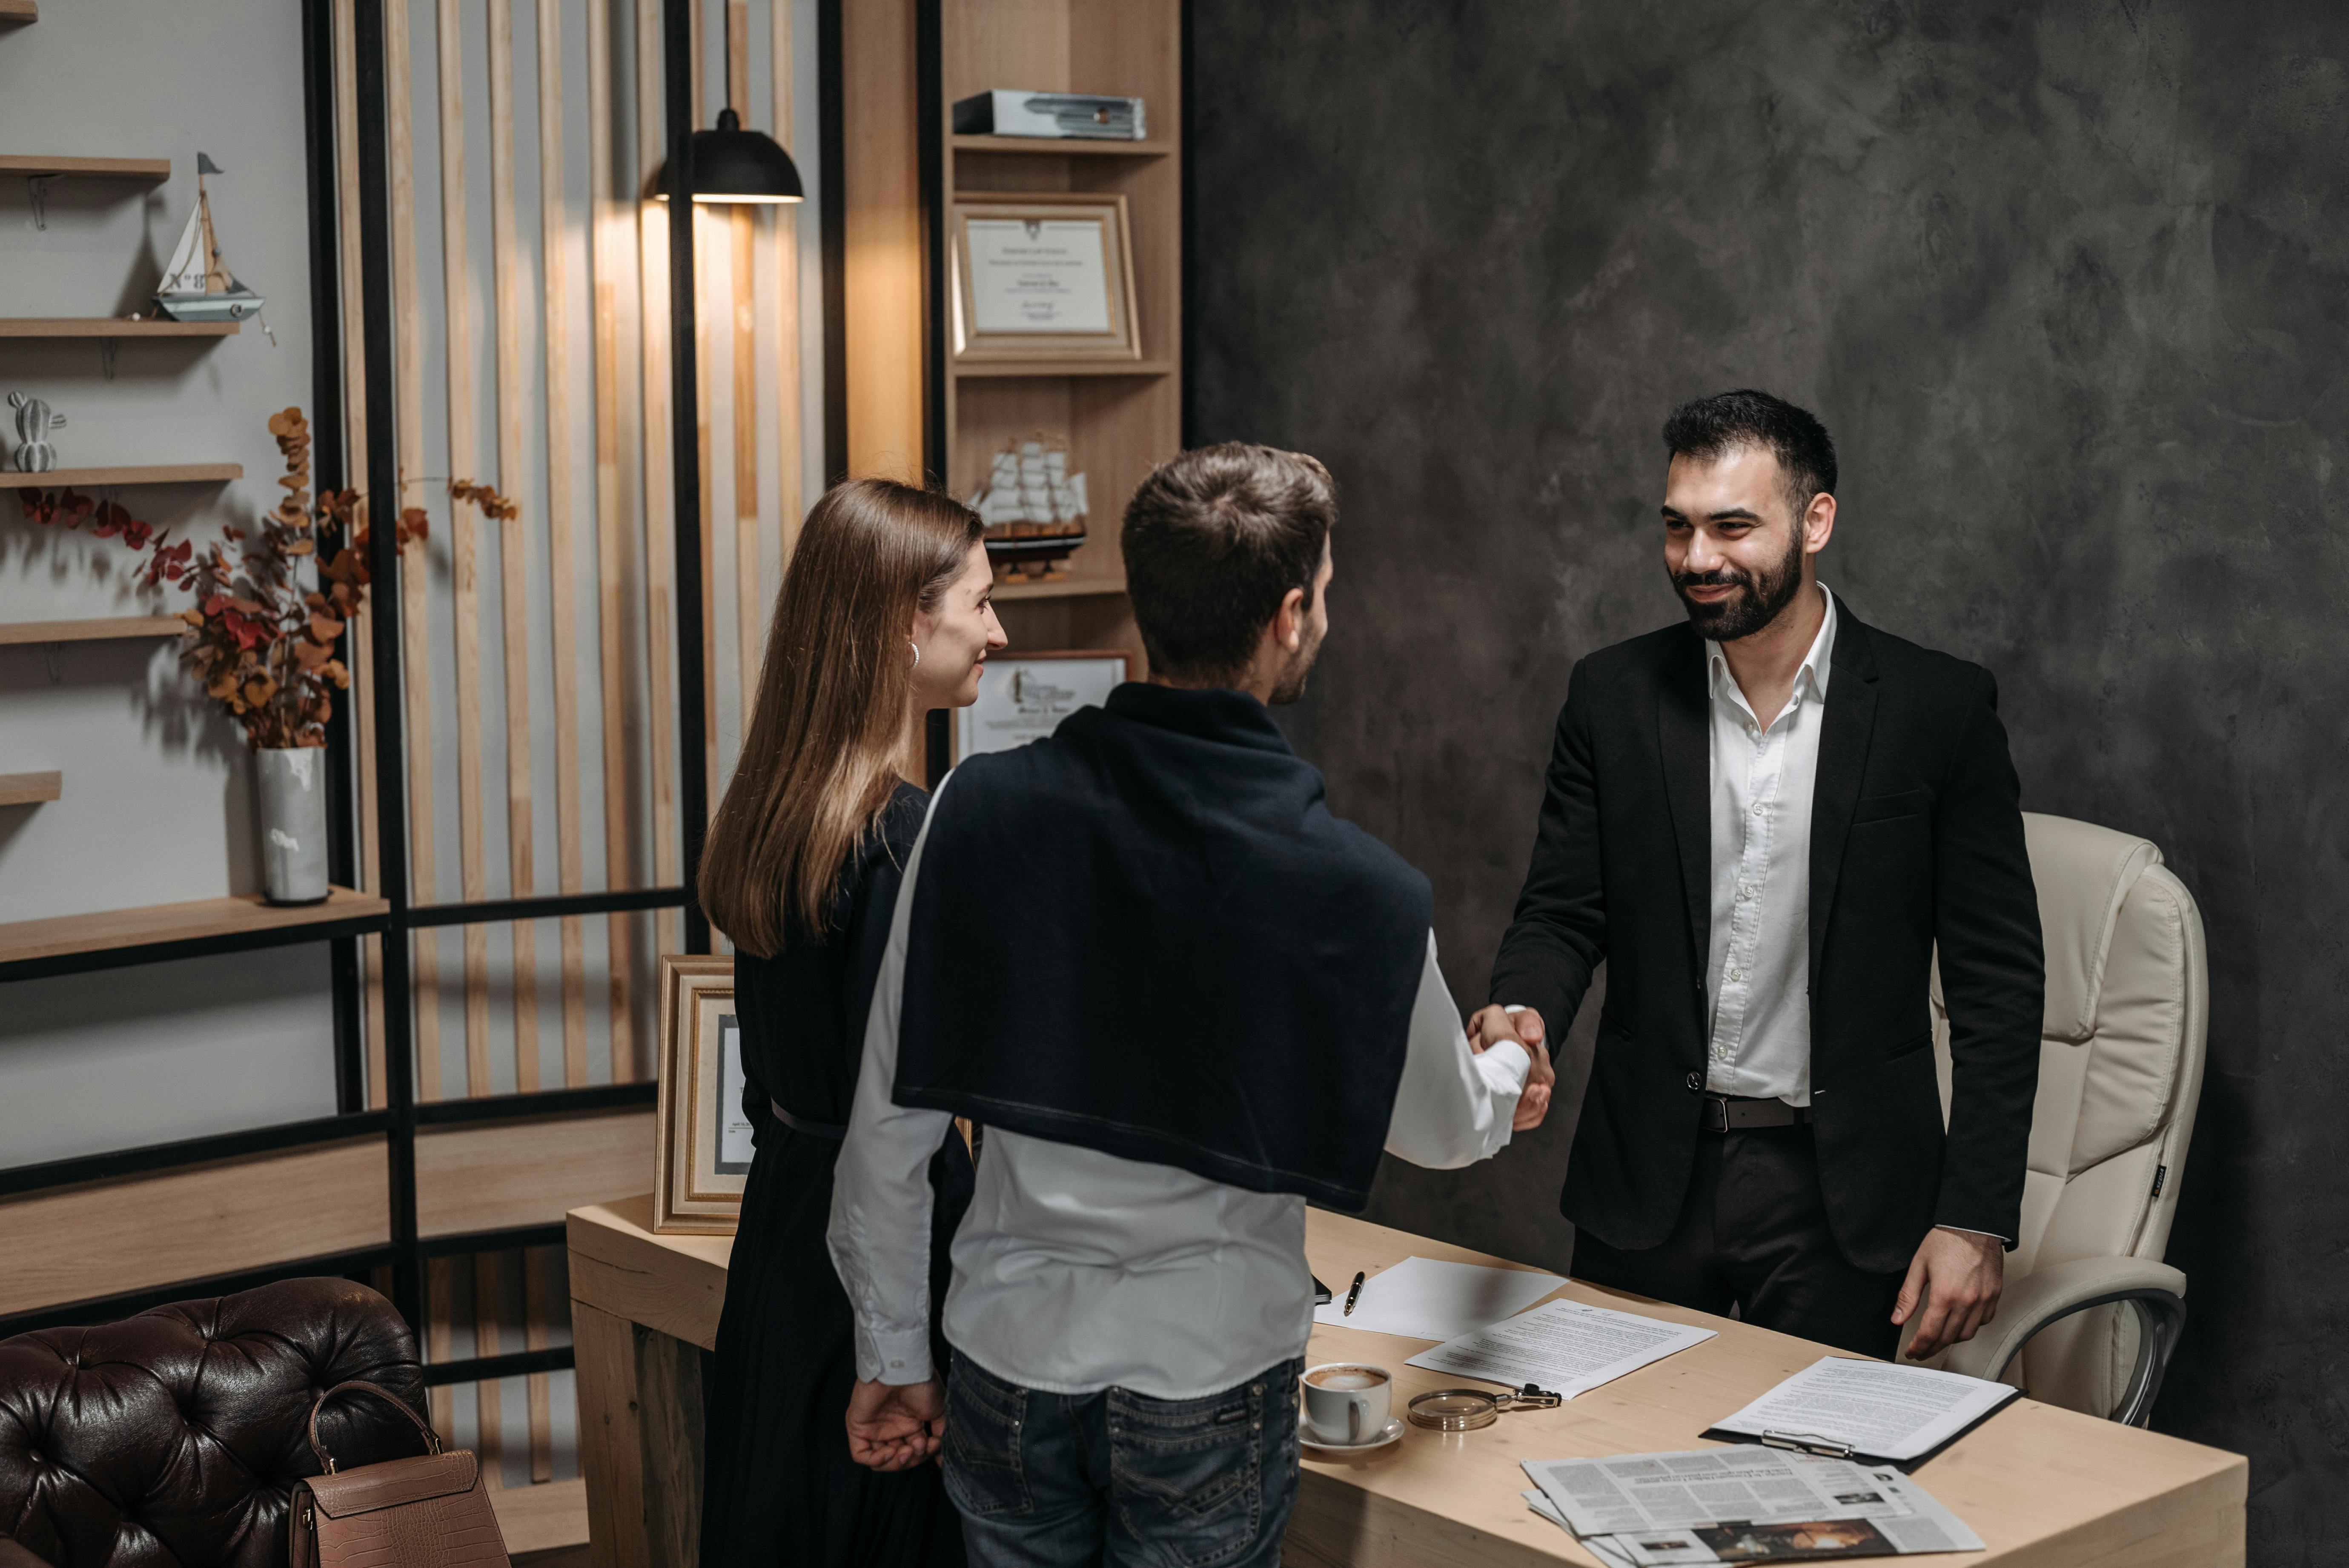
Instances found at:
x=733 y=165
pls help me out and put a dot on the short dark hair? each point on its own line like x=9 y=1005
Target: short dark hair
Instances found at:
x=1710 y=427
x=1214 y=538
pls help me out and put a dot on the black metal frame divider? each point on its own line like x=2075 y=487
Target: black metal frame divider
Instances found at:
x=398 y=1119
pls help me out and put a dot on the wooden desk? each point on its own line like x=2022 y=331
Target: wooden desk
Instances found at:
x=2044 y=1487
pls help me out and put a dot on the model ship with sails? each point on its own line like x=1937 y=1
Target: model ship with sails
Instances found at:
x=1034 y=509
x=197 y=286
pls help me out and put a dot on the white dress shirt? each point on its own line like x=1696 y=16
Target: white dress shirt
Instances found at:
x=1757 y=973
x=1077 y=1271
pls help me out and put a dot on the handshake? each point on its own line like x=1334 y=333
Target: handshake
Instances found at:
x=1489 y=1028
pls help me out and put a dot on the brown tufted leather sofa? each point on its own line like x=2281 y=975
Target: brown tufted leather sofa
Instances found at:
x=172 y=1440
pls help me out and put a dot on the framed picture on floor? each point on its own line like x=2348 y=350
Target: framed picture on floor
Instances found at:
x=1025 y=697
x=1041 y=276
x=702 y=1142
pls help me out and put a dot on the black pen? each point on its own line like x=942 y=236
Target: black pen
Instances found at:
x=1352 y=1295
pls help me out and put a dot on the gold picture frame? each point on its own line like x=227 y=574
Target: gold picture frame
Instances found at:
x=1041 y=276
x=701 y=1155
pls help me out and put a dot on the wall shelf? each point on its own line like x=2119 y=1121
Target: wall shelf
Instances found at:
x=106 y=629
x=153 y=474
x=110 y=326
x=1060 y=588
x=36 y=166
x=206 y=925
x=1063 y=147
x=30 y=788
x=20 y=10
x=1010 y=367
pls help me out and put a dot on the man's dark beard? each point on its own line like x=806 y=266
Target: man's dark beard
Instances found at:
x=1292 y=684
x=1755 y=604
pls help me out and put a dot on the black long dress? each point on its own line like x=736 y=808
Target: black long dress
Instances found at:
x=779 y=1488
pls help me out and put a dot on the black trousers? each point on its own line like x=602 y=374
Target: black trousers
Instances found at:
x=1752 y=1234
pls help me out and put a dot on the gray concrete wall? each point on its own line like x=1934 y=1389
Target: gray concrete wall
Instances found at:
x=2067 y=285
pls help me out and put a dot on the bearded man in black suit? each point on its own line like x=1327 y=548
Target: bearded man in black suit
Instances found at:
x=1767 y=822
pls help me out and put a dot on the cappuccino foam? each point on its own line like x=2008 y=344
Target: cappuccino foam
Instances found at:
x=1345 y=1377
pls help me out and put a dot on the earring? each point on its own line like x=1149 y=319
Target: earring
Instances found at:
x=917 y=653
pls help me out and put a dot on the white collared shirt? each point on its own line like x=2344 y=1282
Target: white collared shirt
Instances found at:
x=1077 y=1271
x=1757 y=969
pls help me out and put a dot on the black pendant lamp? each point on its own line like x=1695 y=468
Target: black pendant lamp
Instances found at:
x=732 y=166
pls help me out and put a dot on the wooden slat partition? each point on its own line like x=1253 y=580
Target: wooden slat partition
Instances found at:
x=553 y=244
x=790 y=478
x=661 y=549
x=463 y=543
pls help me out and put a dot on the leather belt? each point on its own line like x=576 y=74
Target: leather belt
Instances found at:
x=831 y=1131
x=1723 y=1113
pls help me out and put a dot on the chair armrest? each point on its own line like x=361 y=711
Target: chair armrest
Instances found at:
x=14 y=1554
x=2031 y=1303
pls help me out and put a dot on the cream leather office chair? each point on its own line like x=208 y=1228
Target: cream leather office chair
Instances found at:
x=2090 y=1314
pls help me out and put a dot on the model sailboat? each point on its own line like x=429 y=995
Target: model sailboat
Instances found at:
x=196 y=285
x=1034 y=509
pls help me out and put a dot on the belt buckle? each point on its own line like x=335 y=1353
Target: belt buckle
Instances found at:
x=1716 y=1114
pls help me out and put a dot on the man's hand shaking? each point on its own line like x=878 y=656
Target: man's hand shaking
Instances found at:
x=1493 y=1025
x=894 y=1427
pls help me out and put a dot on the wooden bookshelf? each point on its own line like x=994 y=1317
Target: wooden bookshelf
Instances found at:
x=111 y=327
x=36 y=166
x=151 y=474
x=203 y=920
x=108 y=628
x=1120 y=419
x=30 y=788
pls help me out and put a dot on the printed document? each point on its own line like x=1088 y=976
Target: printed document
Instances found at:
x=1872 y=1408
x=1563 y=1346
x=1741 y=1504
x=1423 y=1299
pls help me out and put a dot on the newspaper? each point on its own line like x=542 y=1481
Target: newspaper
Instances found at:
x=1562 y=1346
x=1741 y=1504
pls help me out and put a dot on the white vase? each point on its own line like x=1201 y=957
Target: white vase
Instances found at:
x=293 y=795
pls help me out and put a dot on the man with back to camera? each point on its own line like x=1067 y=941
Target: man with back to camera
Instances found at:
x=1182 y=999
x=1765 y=821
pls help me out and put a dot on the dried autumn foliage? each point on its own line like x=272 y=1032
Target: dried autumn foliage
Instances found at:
x=262 y=643
x=113 y=521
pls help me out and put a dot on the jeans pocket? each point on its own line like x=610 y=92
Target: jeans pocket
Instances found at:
x=986 y=1417
x=1188 y=1475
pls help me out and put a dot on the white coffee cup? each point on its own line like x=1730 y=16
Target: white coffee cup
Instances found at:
x=1346 y=1401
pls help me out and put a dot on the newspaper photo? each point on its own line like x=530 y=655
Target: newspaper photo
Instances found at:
x=1741 y=1505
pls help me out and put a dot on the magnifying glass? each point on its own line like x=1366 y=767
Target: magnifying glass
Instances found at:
x=1467 y=1409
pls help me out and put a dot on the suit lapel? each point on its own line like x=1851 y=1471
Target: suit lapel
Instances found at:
x=1685 y=737
x=1844 y=734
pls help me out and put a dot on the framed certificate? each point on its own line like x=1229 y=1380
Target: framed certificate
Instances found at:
x=702 y=1141
x=1024 y=696
x=1043 y=274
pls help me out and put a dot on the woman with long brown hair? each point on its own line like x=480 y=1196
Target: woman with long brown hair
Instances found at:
x=884 y=615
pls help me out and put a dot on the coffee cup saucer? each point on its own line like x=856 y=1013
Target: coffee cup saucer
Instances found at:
x=1387 y=1434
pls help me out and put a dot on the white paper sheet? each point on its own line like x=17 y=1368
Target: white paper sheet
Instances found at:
x=1563 y=1346
x=1874 y=1407
x=1423 y=1299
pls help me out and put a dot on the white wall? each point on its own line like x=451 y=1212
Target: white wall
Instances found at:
x=156 y=805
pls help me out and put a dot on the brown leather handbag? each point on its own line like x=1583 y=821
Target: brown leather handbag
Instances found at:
x=429 y=1512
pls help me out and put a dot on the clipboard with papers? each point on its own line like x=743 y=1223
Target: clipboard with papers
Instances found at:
x=1869 y=1413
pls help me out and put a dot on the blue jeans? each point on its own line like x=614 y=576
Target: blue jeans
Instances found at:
x=1121 y=1480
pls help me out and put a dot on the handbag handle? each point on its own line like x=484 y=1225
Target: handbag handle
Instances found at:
x=325 y=1459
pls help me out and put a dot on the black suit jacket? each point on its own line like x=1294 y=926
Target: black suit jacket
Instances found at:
x=1916 y=838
